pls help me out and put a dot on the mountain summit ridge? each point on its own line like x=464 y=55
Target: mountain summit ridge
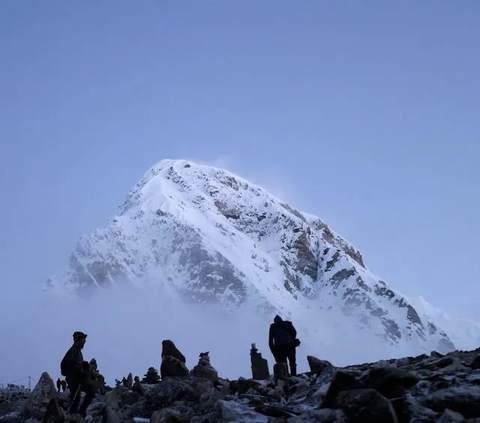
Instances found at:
x=203 y=234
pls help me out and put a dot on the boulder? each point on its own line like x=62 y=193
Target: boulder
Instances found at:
x=172 y=415
x=442 y=362
x=341 y=381
x=113 y=399
x=53 y=413
x=243 y=385
x=402 y=409
x=166 y=393
x=390 y=381
x=110 y=415
x=96 y=408
x=450 y=416
x=465 y=400
x=317 y=365
x=475 y=363
x=365 y=405
x=232 y=411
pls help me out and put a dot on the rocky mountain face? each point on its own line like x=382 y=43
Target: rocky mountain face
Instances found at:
x=205 y=235
x=431 y=388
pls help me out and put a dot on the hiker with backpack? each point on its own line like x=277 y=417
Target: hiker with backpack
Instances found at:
x=76 y=372
x=282 y=341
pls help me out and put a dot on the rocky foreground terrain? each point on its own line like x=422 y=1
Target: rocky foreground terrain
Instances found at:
x=428 y=388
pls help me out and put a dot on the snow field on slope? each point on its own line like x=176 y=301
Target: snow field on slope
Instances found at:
x=464 y=333
x=234 y=248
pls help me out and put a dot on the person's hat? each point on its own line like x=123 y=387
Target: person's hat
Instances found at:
x=79 y=335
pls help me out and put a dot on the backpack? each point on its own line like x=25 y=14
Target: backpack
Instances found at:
x=292 y=332
x=290 y=329
x=64 y=366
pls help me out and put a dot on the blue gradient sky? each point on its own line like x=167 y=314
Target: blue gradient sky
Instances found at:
x=364 y=113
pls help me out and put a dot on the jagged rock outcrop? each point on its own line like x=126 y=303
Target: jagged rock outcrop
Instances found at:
x=427 y=388
x=316 y=365
x=42 y=396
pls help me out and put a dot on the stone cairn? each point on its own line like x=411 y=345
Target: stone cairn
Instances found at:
x=259 y=365
x=204 y=369
x=173 y=361
x=151 y=377
x=96 y=378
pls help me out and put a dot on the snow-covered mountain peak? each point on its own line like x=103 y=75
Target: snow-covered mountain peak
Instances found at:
x=203 y=234
x=180 y=186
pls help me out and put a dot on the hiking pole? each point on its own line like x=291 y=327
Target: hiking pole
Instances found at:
x=74 y=398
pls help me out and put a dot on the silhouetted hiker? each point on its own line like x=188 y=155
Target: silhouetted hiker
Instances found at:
x=76 y=372
x=59 y=384
x=64 y=385
x=282 y=342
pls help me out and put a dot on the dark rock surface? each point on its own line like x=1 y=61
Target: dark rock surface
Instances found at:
x=423 y=389
x=173 y=361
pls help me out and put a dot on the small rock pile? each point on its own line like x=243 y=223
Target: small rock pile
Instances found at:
x=204 y=369
x=151 y=377
x=431 y=388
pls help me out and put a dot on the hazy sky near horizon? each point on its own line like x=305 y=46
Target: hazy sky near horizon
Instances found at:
x=366 y=114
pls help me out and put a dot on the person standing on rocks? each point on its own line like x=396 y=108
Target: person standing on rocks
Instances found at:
x=76 y=370
x=282 y=342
